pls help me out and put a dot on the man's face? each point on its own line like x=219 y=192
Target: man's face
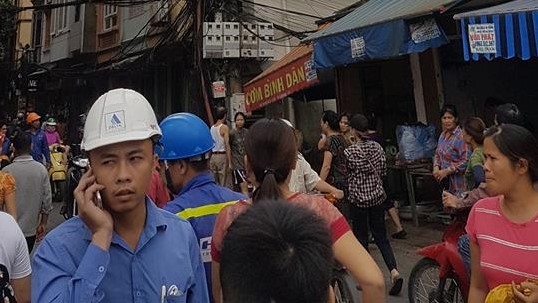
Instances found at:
x=36 y=124
x=125 y=171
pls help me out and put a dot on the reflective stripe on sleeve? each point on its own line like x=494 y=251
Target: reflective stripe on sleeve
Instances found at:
x=206 y=210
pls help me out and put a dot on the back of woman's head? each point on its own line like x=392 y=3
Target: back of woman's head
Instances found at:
x=449 y=108
x=475 y=127
x=271 y=150
x=332 y=120
x=509 y=113
x=516 y=143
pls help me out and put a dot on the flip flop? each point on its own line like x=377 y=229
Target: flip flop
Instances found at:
x=396 y=287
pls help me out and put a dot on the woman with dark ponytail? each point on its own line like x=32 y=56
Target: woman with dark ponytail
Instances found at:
x=271 y=153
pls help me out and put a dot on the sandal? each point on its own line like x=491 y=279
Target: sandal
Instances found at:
x=396 y=288
x=402 y=234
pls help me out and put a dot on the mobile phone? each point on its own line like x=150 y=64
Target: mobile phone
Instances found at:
x=98 y=200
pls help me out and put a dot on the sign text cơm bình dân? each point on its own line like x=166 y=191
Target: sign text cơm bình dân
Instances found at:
x=279 y=84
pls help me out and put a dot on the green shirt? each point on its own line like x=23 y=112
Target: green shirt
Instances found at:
x=476 y=159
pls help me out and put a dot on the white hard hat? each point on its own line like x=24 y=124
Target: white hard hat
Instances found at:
x=119 y=115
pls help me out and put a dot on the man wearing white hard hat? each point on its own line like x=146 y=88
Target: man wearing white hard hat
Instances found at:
x=121 y=247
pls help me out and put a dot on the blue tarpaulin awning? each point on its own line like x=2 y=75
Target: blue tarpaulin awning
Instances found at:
x=380 y=29
x=505 y=31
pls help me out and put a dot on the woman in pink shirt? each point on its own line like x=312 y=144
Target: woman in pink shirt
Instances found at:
x=271 y=154
x=503 y=229
x=53 y=137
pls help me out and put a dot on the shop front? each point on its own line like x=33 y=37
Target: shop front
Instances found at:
x=386 y=60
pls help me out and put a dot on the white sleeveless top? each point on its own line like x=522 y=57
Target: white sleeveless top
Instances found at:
x=219 y=140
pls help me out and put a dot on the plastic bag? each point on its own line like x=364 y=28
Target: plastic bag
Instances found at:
x=416 y=141
x=500 y=294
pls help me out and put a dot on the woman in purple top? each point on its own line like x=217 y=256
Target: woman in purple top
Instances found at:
x=451 y=154
x=53 y=137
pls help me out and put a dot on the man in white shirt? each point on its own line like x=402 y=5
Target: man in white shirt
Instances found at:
x=221 y=159
x=15 y=267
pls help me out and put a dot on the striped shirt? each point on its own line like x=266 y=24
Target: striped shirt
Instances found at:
x=508 y=251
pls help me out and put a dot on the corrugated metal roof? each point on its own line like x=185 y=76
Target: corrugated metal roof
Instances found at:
x=506 y=8
x=295 y=54
x=379 y=11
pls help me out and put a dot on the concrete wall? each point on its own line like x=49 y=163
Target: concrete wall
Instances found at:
x=134 y=18
x=24 y=26
x=63 y=44
x=297 y=23
x=75 y=35
x=59 y=47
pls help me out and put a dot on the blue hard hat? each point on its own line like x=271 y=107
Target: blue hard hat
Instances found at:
x=184 y=136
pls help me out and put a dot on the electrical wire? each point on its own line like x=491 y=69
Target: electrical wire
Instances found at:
x=280 y=9
x=125 y=49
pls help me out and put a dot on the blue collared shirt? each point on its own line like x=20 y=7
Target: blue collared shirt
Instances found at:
x=40 y=147
x=199 y=202
x=165 y=267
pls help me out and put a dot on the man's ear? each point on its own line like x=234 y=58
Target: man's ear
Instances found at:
x=183 y=167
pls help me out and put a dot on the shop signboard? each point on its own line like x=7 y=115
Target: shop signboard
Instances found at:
x=281 y=83
x=482 y=38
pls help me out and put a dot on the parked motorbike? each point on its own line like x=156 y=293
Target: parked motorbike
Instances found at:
x=78 y=166
x=58 y=172
x=441 y=275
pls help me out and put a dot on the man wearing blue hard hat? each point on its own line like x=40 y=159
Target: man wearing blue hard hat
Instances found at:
x=186 y=150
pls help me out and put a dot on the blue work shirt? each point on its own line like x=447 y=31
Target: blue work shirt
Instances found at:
x=165 y=267
x=40 y=147
x=6 y=147
x=199 y=202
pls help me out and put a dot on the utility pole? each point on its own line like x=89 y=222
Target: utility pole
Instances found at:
x=198 y=34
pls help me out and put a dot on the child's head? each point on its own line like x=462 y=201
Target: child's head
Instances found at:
x=267 y=258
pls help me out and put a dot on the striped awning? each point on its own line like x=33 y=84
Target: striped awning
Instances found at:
x=507 y=31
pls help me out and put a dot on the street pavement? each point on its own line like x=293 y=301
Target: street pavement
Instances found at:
x=404 y=250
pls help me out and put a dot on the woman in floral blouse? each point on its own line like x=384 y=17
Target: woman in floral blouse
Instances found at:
x=451 y=154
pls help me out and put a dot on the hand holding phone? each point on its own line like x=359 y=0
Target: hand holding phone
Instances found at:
x=89 y=203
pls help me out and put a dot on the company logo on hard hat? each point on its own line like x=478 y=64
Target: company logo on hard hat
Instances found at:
x=115 y=121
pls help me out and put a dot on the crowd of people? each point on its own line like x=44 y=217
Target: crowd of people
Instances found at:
x=166 y=211
x=492 y=171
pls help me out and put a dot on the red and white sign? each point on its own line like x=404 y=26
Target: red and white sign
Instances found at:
x=281 y=83
x=482 y=38
x=219 y=89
